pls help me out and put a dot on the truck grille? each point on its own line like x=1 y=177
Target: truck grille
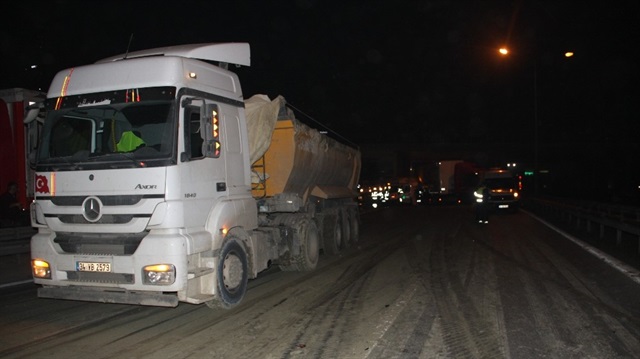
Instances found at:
x=106 y=219
x=502 y=198
x=109 y=244
x=106 y=200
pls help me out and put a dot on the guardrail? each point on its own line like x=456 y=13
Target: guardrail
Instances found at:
x=12 y=233
x=622 y=221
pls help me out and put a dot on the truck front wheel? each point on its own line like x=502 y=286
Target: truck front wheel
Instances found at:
x=231 y=275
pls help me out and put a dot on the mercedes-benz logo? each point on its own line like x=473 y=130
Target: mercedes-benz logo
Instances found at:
x=92 y=209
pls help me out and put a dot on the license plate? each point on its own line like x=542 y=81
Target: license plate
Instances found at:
x=93 y=267
x=503 y=206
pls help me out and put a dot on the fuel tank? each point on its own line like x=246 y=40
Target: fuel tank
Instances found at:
x=291 y=157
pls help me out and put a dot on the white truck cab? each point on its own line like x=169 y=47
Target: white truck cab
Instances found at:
x=504 y=189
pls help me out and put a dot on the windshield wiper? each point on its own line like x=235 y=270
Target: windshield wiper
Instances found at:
x=108 y=157
x=64 y=161
x=129 y=156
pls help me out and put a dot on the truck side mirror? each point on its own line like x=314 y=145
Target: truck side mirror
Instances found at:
x=210 y=130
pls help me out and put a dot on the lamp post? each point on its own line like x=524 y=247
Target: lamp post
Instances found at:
x=536 y=145
x=505 y=52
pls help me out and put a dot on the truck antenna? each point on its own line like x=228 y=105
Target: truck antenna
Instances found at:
x=128 y=46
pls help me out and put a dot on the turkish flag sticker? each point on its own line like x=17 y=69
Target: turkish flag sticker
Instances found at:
x=42 y=184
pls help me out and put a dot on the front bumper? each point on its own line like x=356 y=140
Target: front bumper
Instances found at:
x=124 y=283
x=108 y=295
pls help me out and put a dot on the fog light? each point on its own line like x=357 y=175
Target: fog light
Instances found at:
x=40 y=269
x=159 y=274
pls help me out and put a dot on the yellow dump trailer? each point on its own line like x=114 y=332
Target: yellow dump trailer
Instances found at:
x=294 y=164
x=301 y=160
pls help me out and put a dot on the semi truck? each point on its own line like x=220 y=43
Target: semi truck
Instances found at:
x=451 y=181
x=157 y=182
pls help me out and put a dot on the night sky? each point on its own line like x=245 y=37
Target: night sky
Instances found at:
x=419 y=72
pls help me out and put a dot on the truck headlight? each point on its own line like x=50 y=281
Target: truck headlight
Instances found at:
x=159 y=274
x=40 y=269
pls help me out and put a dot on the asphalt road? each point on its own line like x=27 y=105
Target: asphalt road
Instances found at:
x=423 y=282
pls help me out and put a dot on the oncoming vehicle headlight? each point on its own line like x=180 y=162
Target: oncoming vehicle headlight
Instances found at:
x=159 y=274
x=478 y=196
x=515 y=194
x=40 y=269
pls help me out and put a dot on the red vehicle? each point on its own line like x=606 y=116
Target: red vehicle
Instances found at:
x=19 y=135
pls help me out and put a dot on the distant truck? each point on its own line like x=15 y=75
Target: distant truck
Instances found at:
x=158 y=183
x=451 y=181
x=466 y=178
x=504 y=189
x=446 y=171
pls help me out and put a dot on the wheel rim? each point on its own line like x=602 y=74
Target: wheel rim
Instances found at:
x=232 y=272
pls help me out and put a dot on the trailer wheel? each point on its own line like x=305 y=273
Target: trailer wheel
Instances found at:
x=231 y=275
x=309 y=241
x=346 y=220
x=332 y=234
x=354 y=221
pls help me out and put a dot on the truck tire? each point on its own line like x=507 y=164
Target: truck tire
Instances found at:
x=231 y=275
x=309 y=240
x=345 y=219
x=332 y=234
x=354 y=221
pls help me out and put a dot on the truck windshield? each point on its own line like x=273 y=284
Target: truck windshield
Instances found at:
x=501 y=183
x=108 y=133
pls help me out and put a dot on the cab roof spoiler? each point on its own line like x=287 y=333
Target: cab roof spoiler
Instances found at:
x=237 y=53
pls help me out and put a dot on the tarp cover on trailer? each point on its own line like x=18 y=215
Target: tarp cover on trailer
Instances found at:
x=298 y=159
x=261 y=114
